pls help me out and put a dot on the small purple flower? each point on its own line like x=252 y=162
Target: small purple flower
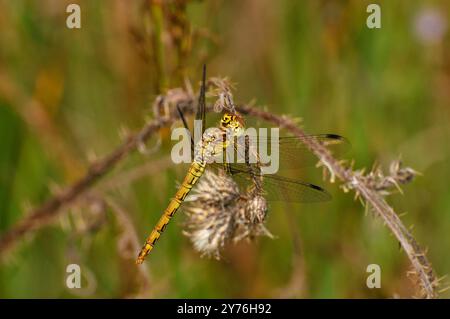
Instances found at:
x=430 y=26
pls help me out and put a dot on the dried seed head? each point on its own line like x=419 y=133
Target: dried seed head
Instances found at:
x=218 y=213
x=251 y=223
x=398 y=175
x=256 y=209
x=213 y=189
x=386 y=184
x=221 y=89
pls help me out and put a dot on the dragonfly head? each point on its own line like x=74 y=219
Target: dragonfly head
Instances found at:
x=233 y=122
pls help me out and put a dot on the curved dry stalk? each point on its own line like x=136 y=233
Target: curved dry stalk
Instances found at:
x=45 y=213
x=421 y=266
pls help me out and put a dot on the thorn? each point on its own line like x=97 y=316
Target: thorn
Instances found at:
x=124 y=133
x=444 y=289
x=91 y=156
x=402 y=214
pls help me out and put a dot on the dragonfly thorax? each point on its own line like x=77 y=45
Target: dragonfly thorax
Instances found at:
x=212 y=144
x=215 y=140
x=233 y=123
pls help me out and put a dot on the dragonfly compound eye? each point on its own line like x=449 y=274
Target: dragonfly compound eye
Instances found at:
x=225 y=120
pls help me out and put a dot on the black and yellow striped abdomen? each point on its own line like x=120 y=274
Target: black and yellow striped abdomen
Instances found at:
x=195 y=172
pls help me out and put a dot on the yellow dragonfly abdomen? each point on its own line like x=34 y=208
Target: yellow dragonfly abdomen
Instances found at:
x=195 y=171
x=213 y=143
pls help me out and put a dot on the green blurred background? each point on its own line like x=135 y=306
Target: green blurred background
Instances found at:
x=67 y=97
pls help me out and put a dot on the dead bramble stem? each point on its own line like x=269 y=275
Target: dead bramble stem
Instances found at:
x=362 y=187
x=46 y=213
x=353 y=180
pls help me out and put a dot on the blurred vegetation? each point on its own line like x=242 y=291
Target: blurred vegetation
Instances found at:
x=65 y=95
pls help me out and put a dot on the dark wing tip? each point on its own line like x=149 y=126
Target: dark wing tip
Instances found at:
x=336 y=137
x=316 y=187
x=325 y=196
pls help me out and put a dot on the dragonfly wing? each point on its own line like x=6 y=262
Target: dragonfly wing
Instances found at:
x=279 y=188
x=183 y=119
x=275 y=187
x=201 y=107
x=201 y=110
x=293 y=152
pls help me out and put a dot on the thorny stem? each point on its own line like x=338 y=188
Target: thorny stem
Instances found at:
x=416 y=255
x=44 y=214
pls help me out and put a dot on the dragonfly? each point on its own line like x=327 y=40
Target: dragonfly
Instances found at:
x=213 y=143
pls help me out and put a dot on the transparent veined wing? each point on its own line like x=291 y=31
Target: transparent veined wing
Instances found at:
x=201 y=106
x=275 y=187
x=293 y=152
